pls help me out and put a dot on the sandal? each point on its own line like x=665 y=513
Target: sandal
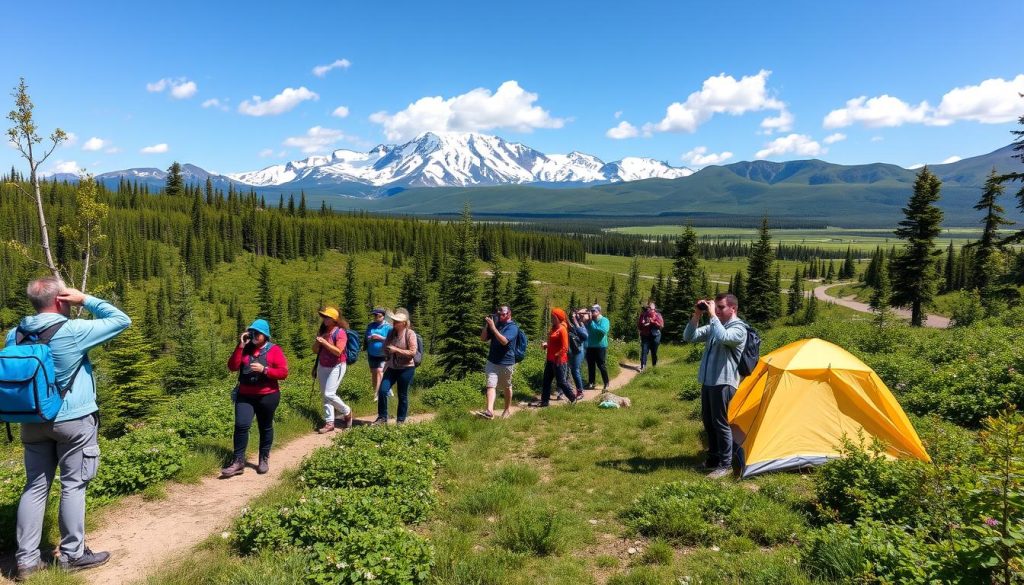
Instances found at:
x=486 y=414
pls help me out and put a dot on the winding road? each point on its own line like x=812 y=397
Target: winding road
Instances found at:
x=821 y=293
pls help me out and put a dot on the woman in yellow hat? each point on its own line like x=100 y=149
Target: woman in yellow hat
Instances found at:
x=329 y=348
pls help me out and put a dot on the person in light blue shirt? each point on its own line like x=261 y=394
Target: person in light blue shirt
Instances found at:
x=724 y=337
x=70 y=440
x=597 y=345
x=376 y=332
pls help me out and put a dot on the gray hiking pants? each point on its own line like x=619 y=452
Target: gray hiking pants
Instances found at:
x=70 y=445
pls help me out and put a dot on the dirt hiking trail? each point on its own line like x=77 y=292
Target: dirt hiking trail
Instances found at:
x=143 y=536
x=821 y=292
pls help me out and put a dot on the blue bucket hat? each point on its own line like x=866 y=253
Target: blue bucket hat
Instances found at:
x=260 y=326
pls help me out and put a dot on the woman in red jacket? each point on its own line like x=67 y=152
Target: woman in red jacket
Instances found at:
x=557 y=366
x=260 y=364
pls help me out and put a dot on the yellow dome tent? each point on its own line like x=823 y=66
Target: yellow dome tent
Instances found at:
x=794 y=408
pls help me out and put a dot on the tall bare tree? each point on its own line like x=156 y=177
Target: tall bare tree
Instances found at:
x=25 y=138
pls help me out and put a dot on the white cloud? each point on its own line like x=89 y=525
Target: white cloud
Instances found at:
x=267 y=153
x=63 y=166
x=279 y=104
x=833 y=138
x=781 y=123
x=699 y=157
x=623 y=130
x=992 y=101
x=952 y=159
x=94 y=143
x=799 y=144
x=70 y=140
x=509 y=107
x=220 y=104
x=322 y=70
x=181 y=88
x=618 y=114
x=340 y=112
x=721 y=94
x=155 y=149
x=877 y=112
x=317 y=139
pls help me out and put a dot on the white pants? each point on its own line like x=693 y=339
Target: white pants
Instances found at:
x=330 y=379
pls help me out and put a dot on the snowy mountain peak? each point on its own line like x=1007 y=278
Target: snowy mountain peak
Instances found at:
x=459 y=159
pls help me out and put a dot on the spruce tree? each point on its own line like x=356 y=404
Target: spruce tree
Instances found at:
x=761 y=303
x=459 y=312
x=658 y=290
x=493 y=292
x=914 y=271
x=175 y=184
x=683 y=288
x=881 y=297
x=987 y=266
x=190 y=367
x=413 y=292
x=266 y=305
x=949 y=274
x=739 y=287
x=795 y=302
x=625 y=326
x=523 y=301
x=811 y=310
x=611 y=302
x=1017 y=176
x=349 y=299
x=134 y=380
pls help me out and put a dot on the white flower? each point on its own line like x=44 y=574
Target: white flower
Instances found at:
x=370 y=576
x=225 y=535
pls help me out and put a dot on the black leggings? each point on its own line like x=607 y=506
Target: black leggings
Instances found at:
x=597 y=356
x=262 y=407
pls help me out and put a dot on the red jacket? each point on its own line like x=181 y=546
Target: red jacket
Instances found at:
x=655 y=321
x=277 y=369
x=558 y=344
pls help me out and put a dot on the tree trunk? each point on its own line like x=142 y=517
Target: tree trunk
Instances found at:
x=43 y=229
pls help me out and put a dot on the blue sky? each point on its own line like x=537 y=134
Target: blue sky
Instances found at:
x=691 y=83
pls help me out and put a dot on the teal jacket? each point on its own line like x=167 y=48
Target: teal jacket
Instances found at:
x=723 y=346
x=597 y=332
x=70 y=346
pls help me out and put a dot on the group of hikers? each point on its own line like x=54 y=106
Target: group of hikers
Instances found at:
x=68 y=441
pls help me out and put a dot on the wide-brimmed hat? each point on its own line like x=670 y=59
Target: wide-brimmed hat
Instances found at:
x=596 y=308
x=330 y=313
x=260 y=326
x=400 y=315
x=379 y=311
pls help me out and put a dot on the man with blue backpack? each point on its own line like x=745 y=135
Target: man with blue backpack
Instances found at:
x=507 y=348
x=67 y=438
x=721 y=366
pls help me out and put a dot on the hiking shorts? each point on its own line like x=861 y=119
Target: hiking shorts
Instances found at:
x=499 y=376
x=376 y=363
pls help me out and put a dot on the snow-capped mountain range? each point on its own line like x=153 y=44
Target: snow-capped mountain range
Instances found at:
x=456 y=159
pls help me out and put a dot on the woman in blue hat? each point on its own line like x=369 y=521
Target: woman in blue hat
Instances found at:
x=260 y=365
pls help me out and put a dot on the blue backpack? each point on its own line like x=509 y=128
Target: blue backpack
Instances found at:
x=351 y=347
x=751 y=352
x=29 y=392
x=521 y=344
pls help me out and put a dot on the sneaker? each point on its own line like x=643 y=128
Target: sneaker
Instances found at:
x=237 y=467
x=26 y=571
x=264 y=465
x=579 y=394
x=347 y=420
x=379 y=421
x=590 y=386
x=400 y=422
x=88 y=560
x=327 y=428
x=720 y=472
x=537 y=404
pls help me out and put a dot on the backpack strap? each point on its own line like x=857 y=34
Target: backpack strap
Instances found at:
x=43 y=338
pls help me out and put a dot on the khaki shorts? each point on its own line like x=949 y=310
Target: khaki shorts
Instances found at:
x=498 y=376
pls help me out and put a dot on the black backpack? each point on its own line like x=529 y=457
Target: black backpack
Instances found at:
x=751 y=352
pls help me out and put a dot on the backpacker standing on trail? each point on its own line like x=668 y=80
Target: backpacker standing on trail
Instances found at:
x=724 y=338
x=649 y=324
x=70 y=440
x=376 y=332
x=577 y=344
x=260 y=365
x=402 y=348
x=502 y=333
x=597 y=346
x=329 y=347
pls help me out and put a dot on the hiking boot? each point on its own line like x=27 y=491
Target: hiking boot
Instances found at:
x=327 y=428
x=347 y=420
x=26 y=571
x=379 y=421
x=88 y=560
x=264 y=465
x=720 y=472
x=237 y=467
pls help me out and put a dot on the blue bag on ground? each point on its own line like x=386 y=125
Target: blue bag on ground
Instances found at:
x=28 y=382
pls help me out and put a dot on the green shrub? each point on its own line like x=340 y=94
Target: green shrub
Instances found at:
x=357 y=467
x=776 y=567
x=516 y=474
x=687 y=512
x=639 y=576
x=535 y=531
x=834 y=553
x=321 y=515
x=658 y=552
x=452 y=393
x=872 y=552
x=200 y=414
x=490 y=499
x=385 y=555
x=766 y=522
x=428 y=440
x=691 y=390
x=139 y=459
